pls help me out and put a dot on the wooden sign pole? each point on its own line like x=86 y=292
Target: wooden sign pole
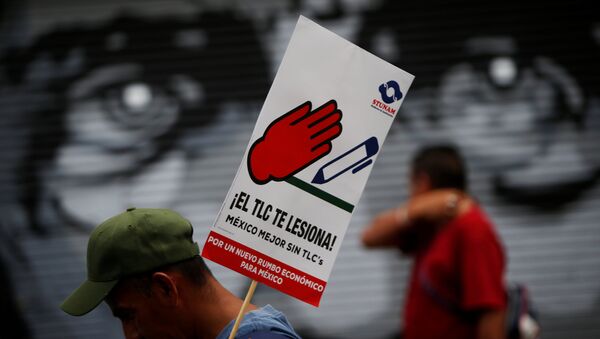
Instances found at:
x=249 y=295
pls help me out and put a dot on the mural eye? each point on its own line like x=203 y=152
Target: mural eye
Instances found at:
x=136 y=97
x=503 y=71
x=142 y=106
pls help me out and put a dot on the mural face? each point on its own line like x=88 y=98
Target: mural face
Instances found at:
x=157 y=111
x=122 y=125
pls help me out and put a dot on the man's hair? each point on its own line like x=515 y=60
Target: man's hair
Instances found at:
x=444 y=166
x=193 y=269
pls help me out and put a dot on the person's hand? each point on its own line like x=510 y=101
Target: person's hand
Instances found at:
x=294 y=141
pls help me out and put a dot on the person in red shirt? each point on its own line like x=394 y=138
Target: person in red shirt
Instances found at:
x=456 y=287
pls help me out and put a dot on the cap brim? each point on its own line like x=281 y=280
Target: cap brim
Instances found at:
x=85 y=298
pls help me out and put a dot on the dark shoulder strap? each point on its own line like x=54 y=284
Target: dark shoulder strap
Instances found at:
x=445 y=302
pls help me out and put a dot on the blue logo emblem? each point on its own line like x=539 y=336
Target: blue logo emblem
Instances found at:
x=396 y=93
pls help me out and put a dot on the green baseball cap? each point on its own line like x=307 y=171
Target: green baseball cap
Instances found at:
x=135 y=241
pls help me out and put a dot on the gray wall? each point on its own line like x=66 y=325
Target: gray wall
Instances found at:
x=77 y=148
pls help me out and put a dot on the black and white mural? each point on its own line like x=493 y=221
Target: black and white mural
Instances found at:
x=106 y=105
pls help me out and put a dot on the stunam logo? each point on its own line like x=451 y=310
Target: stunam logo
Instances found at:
x=390 y=93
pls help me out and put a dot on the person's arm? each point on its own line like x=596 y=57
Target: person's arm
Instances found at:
x=432 y=208
x=491 y=325
x=385 y=228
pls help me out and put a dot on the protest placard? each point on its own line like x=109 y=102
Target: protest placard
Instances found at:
x=315 y=142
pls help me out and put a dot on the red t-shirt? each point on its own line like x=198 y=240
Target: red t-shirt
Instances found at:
x=460 y=272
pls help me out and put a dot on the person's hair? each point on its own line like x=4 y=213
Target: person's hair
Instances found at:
x=443 y=165
x=193 y=269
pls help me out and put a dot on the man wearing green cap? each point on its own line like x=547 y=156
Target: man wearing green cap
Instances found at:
x=145 y=265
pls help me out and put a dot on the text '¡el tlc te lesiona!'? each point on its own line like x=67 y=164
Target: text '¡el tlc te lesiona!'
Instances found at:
x=279 y=218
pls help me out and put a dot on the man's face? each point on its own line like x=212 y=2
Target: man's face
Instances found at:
x=142 y=315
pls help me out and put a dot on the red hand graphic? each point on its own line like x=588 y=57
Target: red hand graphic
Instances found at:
x=294 y=141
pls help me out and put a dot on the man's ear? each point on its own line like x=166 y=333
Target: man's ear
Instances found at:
x=164 y=289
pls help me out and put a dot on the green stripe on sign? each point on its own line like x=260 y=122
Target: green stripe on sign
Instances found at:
x=320 y=194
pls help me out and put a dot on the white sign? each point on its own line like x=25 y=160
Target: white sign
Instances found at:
x=319 y=132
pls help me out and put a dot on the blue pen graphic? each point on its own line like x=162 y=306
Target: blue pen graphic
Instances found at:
x=355 y=159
